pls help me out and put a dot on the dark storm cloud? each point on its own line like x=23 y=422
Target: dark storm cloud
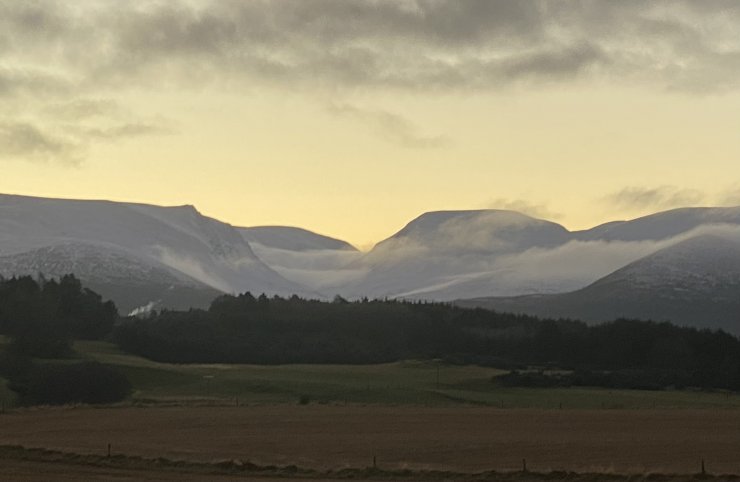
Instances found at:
x=656 y=197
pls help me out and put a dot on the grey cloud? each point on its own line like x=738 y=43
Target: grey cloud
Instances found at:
x=52 y=50
x=348 y=44
x=81 y=109
x=392 y=127
x=64 y=143
x=36 y=82
x=418 y=45
x=27 y=141
x=635 y=198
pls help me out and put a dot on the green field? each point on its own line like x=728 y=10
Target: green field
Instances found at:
x=403 y=383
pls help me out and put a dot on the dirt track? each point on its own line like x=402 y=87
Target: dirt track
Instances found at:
x=461 y=439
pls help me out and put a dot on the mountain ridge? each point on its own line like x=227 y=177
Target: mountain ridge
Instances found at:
x=173 y=255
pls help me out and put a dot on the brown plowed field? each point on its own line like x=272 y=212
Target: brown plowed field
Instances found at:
x=460 y=439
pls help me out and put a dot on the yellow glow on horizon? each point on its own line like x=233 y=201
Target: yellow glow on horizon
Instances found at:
x=272 y=158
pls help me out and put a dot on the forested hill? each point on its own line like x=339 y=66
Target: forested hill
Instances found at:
x=245 y=329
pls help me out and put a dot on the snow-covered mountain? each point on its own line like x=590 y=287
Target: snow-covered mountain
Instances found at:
x=694 y=282
x=113 y=273
x=440 y=253
x=143 y=255
x=464 y=254
x=477 y=231
x=175 y=247
x=663 y=225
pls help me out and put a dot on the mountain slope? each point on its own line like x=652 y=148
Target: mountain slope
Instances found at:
x=196 y=251
x=661 y=225
x=695 y=282
x=177 y=257
x=448 y=255
x=114 y=274
x=438 y=251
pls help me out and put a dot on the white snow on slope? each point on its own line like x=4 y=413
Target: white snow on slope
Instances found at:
x=453 y=255
x=440 y=255
x=178 y=238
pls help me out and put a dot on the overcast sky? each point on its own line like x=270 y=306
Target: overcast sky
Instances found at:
x=352 y=117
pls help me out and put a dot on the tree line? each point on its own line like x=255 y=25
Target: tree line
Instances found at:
x=41 y=318
x=276 y=330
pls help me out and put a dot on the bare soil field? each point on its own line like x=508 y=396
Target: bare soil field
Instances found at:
x=463 y=439
x=36 y=471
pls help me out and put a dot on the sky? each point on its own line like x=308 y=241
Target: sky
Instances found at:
x=351 y=118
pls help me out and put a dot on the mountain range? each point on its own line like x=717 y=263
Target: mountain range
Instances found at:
x=681 y=265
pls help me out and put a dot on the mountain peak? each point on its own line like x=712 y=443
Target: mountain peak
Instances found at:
x=479 y=230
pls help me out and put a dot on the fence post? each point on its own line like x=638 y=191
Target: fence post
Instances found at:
x=108 y=450
x=524 y=465
x=703 y=470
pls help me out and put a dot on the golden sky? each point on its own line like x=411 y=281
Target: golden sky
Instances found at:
x=350 y=118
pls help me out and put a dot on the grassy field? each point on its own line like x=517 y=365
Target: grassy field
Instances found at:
x=411 y=415
x=404 y=383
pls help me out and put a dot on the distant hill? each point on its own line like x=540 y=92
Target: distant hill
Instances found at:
x=695 y=282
